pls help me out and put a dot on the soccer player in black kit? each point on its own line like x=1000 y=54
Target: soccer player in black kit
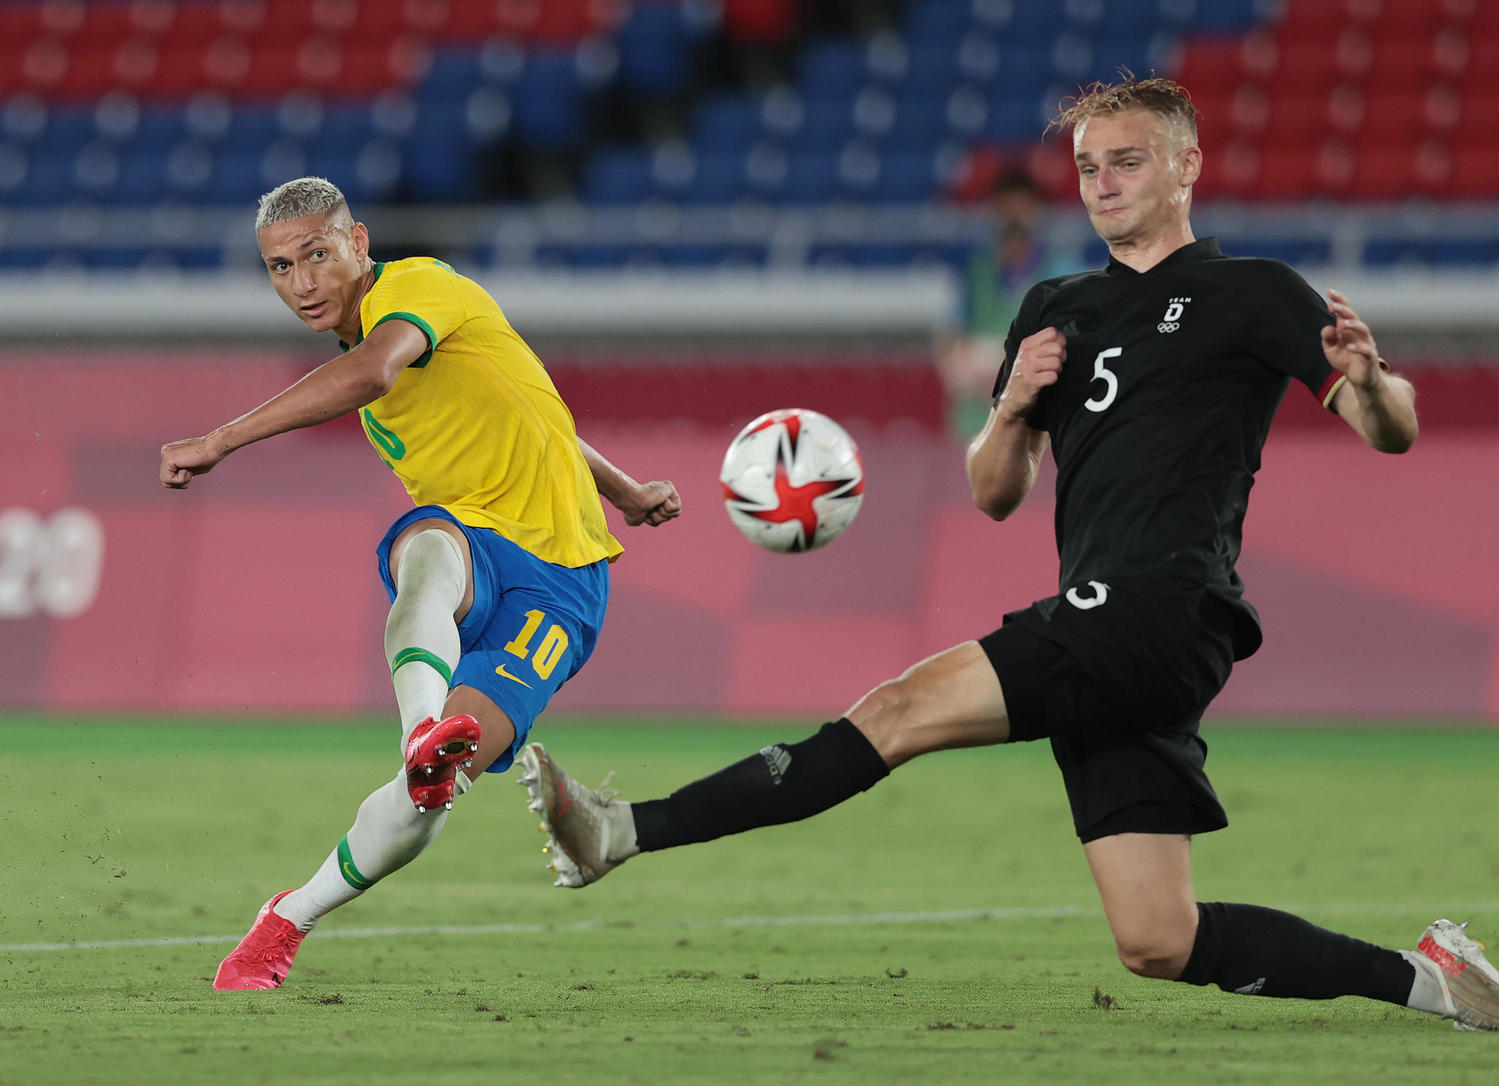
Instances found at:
x=1154 y=380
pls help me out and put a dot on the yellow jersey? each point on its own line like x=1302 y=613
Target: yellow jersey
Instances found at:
x=475 y=424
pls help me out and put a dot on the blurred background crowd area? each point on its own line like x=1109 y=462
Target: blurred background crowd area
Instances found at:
x=729 y=133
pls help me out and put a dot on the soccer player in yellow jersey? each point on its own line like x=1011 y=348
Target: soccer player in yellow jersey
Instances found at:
x=498 y=578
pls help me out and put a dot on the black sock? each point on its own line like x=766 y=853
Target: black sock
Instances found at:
x=1257 y=951
x=779 y=784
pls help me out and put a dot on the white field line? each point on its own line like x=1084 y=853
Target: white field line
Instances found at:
x=1045 y=912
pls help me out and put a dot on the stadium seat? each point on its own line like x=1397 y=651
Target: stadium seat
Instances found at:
x=657 y=49
x=617 y=176
x=831 y=68
x=549 y=101
x=726 y=122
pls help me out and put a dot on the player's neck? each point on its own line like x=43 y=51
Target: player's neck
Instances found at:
x=1142 y=254
x=348 y=332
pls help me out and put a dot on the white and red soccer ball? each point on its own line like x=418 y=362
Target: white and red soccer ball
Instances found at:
x=792 y=480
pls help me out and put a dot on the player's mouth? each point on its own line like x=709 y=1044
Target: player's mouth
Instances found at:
x=314 y=311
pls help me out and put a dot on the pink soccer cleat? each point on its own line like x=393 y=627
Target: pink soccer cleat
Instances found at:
x=433 y=754
x=264 y=955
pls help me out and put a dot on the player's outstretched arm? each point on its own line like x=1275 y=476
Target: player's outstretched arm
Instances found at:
x=1004 y=459
x=652 y=503
x=1379 y=406
x=352 y=380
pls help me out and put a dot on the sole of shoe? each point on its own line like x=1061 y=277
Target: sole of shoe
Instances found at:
x=536 y=766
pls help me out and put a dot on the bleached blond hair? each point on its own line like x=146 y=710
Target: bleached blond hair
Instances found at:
x=301 y=197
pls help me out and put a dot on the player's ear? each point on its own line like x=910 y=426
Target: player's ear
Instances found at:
x=1191 y=164
x=361 y=236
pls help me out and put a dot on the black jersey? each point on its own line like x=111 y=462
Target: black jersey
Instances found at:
x=1171 y=380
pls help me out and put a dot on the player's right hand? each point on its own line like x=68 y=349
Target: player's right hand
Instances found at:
x=181 y=460
x=1038 y=365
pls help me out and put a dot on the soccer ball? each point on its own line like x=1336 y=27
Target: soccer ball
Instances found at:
x=792 y=480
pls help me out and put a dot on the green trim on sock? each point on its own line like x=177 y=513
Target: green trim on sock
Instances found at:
x=431 y=659
x=347 y=869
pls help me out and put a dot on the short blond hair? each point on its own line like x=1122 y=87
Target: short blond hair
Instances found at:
x=301 y=197
x=1163 y=97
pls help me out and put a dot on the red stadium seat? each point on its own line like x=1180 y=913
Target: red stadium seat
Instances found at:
x=1475 y=173
x=1390 y=172
x=1295 y=119
x=1404 y=63
x=1323 y=19
x=1289 y=173
x=1395 y=116
x=1213 y=66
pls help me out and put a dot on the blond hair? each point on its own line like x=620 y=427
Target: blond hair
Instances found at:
x=1163 y=97
x=301 y=197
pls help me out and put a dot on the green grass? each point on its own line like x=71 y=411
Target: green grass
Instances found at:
x=715 y=963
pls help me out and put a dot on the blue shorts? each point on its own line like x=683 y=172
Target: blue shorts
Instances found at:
x=532 y=626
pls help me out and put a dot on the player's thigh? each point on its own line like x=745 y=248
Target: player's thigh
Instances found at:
x=1145 y=883
x=415 y=528
x=497 y=733
x=949 y=700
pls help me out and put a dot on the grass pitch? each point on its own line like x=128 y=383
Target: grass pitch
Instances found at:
x=940 y=929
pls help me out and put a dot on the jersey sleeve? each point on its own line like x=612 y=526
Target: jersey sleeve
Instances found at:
x=425 y=295
x=1023 y=325
x=1287 y=331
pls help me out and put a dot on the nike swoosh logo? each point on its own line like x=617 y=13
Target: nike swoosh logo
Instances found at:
x=505 y=674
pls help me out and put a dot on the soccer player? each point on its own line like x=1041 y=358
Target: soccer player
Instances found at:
x=498 y=578
x=1154 y=381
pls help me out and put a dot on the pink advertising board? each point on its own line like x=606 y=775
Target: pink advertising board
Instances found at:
x=255 y=591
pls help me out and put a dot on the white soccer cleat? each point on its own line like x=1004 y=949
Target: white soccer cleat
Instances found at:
x=580 y=823
x=1469 y=981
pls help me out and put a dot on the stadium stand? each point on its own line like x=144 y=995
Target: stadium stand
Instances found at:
x=134 y=106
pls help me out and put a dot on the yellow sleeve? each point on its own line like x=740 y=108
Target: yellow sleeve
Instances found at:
x=425 y=293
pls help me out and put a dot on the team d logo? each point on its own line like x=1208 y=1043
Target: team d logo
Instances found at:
x=1172 y=320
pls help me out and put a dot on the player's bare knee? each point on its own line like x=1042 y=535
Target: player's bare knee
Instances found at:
x=1161 y=958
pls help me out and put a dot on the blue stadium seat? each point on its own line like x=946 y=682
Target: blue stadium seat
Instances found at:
x=68 y=129
x=1229 y=16
x=1022 y=70
x=1014 y=117
x=656 y=49
x=1129 y=18
x=160 y=129
x=1033 y=25
x=832 y=68
x=252 y=128
x=826 y=122
x=455 y=73
x=49 y=179
x=920 y=120
x=811 y=176
x=906 y=177
x=720 y=178
x=549 y=101
x=726 y=122
x=938 y=22
x=237 y=177
x=617 y=176
x=143 y=177
x=932 y=69
x=347 y=126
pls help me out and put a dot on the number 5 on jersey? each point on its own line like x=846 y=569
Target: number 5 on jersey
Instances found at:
x=548 y=653
x=1108 y=377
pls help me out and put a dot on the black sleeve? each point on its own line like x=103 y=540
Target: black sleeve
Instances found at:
x=1287 y=330
x=1023 y=325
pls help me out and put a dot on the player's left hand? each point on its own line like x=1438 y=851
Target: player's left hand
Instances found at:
x=1349 y=344
x=652 y=503
x=181 y=460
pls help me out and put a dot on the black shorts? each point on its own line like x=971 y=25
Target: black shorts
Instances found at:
x=1118 y=677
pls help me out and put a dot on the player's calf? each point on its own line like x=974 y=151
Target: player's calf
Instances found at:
x=434 y=753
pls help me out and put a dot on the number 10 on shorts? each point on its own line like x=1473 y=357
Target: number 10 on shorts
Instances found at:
x=548 y=653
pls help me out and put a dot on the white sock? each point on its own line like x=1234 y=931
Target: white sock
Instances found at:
x=387 y=834
x=421 y=638
x=1426 y=992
